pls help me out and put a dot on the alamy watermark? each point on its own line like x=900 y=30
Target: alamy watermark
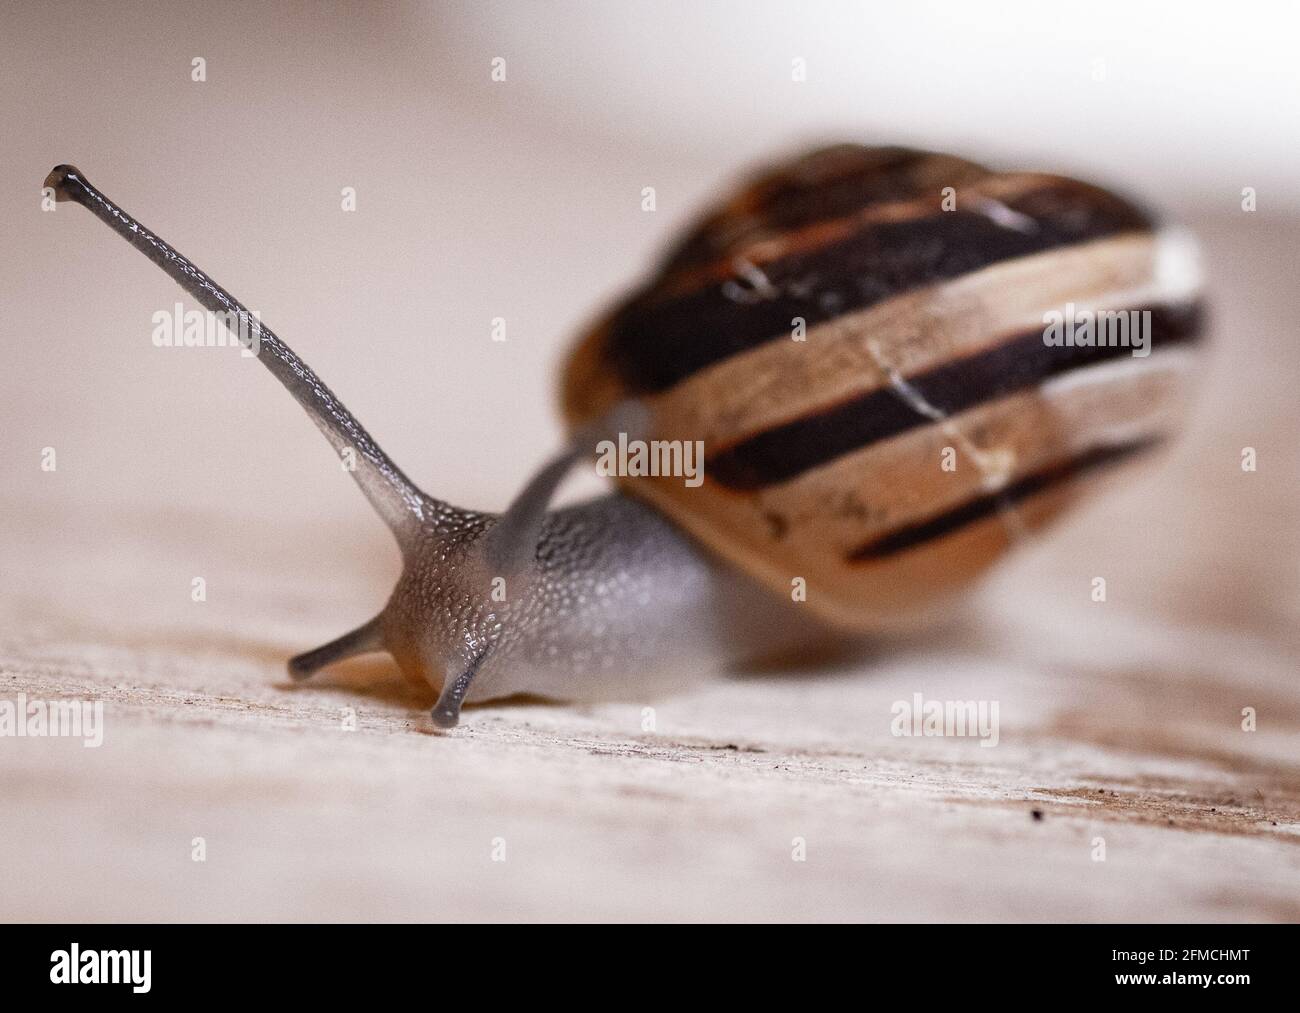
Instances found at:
x=75 y=966
x=946 y=718
x=1076 y=328
x=63 y=719
x=181 y=328
x=638 y=458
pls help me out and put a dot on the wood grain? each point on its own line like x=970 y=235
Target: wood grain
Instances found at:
x=205 y=737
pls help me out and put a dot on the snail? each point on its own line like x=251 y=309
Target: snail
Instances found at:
x=895 y=363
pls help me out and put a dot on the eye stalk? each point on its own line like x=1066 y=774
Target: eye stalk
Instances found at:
x=413 y=516
x=395 y=497
x=511 y=545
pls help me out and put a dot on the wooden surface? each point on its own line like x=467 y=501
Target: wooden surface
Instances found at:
x=1137 y=742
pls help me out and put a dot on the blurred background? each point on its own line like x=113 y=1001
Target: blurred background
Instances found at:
x=521 y=199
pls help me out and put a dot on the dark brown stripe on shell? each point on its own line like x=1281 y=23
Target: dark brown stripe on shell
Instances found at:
x=1022 y=361
x=982 y=507
x=823 y=186
x=656 y=342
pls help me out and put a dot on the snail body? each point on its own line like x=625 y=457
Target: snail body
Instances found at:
x=879 y=412
x=619 y=603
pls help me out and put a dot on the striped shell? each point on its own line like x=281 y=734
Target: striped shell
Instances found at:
x=825 y=457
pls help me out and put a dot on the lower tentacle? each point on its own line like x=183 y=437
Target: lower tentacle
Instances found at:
x=365 y=639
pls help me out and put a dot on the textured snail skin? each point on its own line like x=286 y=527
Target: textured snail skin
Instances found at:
x=619 y=604
x=611 y=601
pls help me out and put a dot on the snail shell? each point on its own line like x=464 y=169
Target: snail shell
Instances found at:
x=860 y=338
